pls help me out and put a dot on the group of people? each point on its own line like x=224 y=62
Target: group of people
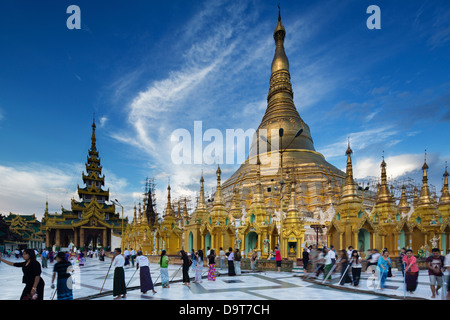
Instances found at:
x=142 y=264
x=350 y=264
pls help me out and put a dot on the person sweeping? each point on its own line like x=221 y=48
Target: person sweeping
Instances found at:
x=62 y=269
x=119 y=287
x=143 y=264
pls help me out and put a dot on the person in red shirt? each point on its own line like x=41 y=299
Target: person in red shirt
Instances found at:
x=278 y=259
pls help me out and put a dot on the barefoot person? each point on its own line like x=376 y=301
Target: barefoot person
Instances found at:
x=144 y=273
x=119 y=286
x=31 y=268
x=411 y=271
x=435 y=264
x=62 y=269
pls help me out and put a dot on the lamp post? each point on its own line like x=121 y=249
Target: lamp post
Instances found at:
x=281 y=151
x=317 y=228
x=118 y=203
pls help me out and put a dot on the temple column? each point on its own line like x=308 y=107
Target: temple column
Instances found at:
x=58 y=238
x=341 y=243
x=105 y=238
x=47 y=238
x=81 y=238
x=75 y=238
x=355 y=240
x=202 y=245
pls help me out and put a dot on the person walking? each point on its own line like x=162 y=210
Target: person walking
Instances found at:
x=278 y=259
x=237 y=262
x=119 y=286
x=305 y=259
x=212 y=266
x=164 y=269
x=133 y=256
x=328 y=264
x=185 y=266
x=435 y=264
x=343 y=264
x=44 y=257
x=373 y=261
x=31 y=268
x=383 y=268
x=411 y=271
x=230 y=254
x=62 y=270
x=126 y=255
x=356 y=267
x=145 y=277
x=332 y=255
x=313 y=255
x=199 y=267
x=400 y=258
x=253 y=260
x=222 y=257
x=193 y=258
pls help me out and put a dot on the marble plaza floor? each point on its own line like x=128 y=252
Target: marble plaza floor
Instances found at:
x=248 y=286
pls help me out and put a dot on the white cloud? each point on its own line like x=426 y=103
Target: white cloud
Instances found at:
x=360 y=140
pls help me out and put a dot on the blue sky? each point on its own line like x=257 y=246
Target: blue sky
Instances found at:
x=147 y=68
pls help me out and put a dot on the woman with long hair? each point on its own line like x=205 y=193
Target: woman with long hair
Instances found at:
x=185 y=266
x=212 y=265
x=164 y=269
x=199 y=267
x=343 y=264
x=383 y=267
x=63 y=269
x=356 y=265
x=31 y=268
x=411 y=271
x=145 y=277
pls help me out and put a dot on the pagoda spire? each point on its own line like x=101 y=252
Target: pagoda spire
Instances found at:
x=349 y=190
x=93 y=139
x=403 y=205
x=281 y=111
x=185 y=211
x=384 y=194
x=425 y=194
x=169 y=209
x=445 y=196
x=218 y=198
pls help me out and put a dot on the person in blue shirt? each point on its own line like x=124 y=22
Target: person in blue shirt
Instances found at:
x=384 y=262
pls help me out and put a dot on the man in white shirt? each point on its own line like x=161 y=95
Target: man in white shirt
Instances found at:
x=119 y=287
x=349 y=251
x=133 y=256
x=126 y=254
x=332 y=254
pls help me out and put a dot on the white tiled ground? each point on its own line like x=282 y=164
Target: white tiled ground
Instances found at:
x=248 y=286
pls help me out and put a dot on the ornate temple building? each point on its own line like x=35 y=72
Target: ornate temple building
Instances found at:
x=21 y=231
x=280 y=196
x=285 y=190
x=91 y=221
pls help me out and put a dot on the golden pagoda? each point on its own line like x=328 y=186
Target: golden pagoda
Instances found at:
x=169 y=235
x=350 y=225
x=390 y=224
x=425 y=222
x=293 y=152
